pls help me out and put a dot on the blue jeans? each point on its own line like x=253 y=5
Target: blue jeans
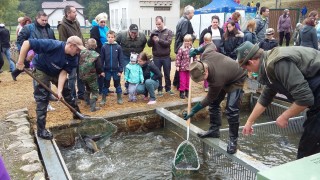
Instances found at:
x=166 y=64
x=116 y=82
x=6 y=51
x=73 y=77
x=125 y=61
x=149 y=86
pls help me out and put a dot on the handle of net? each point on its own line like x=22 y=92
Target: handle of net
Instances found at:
x=189 y=102
x=81 y=116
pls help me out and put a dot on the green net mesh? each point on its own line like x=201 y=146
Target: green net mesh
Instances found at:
x=186 y=157
x=97 y=129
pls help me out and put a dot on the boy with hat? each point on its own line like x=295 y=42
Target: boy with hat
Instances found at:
x=216 y=68
x=53 y=60
x=269 y=42
x=294 y=72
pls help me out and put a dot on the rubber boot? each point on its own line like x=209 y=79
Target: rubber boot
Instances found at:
x=93 y=107
x=213 y=132
x=233 y=138
x=182 y=95
x=103 y=100
x=119 y=98
x=75 y=116
x=41 y=121
x=186 y=93
x=87 y=98
x=215 y=122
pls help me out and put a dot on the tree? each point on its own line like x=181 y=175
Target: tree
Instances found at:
x=195 y=4
x=30 y=7
x=95 y=7
x=9 y=11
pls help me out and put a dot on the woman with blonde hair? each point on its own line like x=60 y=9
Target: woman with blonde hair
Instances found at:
x=99 y=30
x=249 y=33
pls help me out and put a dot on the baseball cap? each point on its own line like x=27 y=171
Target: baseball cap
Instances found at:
x=76 y=41
x=133 y=28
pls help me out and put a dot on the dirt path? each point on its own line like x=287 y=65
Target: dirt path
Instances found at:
x=19 y=94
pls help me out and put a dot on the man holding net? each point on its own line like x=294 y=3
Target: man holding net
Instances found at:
x=216 y=68
x=53 y=61
x=295 y=72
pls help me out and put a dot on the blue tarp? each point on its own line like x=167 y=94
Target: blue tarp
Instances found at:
x=219 y=6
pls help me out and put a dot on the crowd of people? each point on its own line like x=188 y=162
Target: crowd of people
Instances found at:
x=293 y=71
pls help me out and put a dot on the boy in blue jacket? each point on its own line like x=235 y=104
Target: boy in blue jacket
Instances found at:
x=53 y=60
x=134 y=76
x=111 y=58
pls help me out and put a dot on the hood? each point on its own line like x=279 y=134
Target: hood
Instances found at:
x=306 y=28
x=94 y=23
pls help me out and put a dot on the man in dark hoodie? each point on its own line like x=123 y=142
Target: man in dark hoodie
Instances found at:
x=215 y=68
x=69 y=26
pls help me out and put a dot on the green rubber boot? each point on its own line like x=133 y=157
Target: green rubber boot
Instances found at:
x=119 y=98
x=103 y=100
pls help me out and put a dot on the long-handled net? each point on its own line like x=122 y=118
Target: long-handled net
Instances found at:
x=186 y=156
x=95 y=128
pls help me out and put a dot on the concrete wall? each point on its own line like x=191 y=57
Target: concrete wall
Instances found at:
x=126 y=12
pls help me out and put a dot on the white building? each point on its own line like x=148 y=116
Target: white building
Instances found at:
x=143 y=13
x=55 y=13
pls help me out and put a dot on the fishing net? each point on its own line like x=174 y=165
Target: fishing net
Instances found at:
x=186 y=157
x=98 y=129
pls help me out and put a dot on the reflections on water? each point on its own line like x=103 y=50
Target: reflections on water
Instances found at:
x=133 y=156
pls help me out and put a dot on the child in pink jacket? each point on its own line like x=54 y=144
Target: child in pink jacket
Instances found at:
x=182 y=65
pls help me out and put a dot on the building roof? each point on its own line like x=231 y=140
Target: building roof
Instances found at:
x=58 y=5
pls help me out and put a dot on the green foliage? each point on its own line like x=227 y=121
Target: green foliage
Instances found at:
x=195 y=4
x=30 y=8
x=8 y=11
x=95 y=7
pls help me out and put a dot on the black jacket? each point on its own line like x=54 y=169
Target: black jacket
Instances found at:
x=95 y=33
x=151 y=71
x=34 y=31
x=4 y=37
x=268 y=44
x=231 y=44
x=183 y=27
x=219 y=44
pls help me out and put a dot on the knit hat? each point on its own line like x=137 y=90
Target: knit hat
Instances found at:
x=101 y=17
x=246 y=51
x=133 y=57
x=2 y=25
x=197 y=71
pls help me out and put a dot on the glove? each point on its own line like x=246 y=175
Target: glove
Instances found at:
x=194 y=110
x=193 y=52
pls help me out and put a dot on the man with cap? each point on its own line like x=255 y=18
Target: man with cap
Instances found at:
x=216 y=68
x=53 y=60
x=295 y=72
x=131 y=41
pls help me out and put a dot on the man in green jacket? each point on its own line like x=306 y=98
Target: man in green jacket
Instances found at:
x=294 y=72
x=69 y=26
x=216 y=68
